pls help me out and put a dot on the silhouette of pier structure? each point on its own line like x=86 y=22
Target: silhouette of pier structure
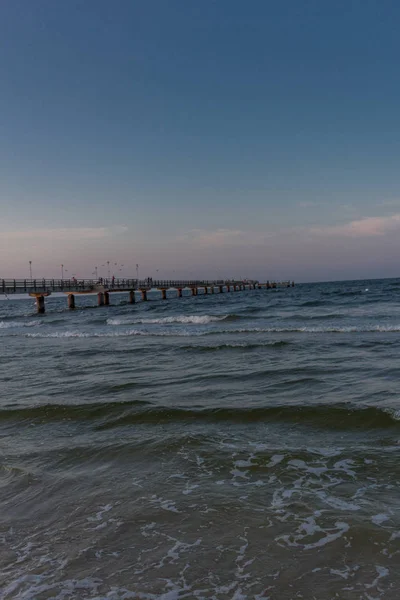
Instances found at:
x=42 y=288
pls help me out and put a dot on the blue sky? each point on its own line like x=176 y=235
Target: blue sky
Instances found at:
x=209 y=138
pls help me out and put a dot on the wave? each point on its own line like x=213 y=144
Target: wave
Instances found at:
x=342 y=292
x=112 y=414
x=317 y=329
x=237 y=331
x=113 y=334
x=55 y=412
x=184 y=319
x=314 y=303
x=13 y=324
x=238 y=346
x=314 y=317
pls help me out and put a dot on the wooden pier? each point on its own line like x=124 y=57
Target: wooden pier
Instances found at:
x=40 y=289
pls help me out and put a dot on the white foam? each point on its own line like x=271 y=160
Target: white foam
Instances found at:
x=14 y=324
x=345 y=329
x=379 y=519
x=61 y=334
x=382 y=572
x=275 y=460
x=184 y=319
x=335 y=502
x=204 y=320
x=168 y=505
x=395 y=414
x=189 y=488
x=113 y=334
x=309 y=528
x=100 y=513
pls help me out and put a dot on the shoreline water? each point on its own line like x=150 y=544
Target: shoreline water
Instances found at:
x=237 y=446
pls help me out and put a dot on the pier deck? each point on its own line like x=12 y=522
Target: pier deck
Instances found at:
x=40 y=288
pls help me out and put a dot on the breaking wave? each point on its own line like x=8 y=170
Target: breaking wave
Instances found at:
x=184 y=319
x=233 y=331
x=339 y=416
x=14 y=324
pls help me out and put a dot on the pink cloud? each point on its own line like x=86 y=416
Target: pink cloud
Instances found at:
x=222 y=237
x=366 y=227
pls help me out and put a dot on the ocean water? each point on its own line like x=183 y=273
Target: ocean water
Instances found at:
x=235 y=446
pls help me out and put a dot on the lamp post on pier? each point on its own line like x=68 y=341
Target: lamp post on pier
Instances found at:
x=30 y=269
x=62 y=272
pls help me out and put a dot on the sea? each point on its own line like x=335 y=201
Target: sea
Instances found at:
x=230 y=446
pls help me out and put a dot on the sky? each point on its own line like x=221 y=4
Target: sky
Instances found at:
x=212 y=138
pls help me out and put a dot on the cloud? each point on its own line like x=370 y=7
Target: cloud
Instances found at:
x=64 y=234
x=366 y=227
x=390 y=202
x=219 y=238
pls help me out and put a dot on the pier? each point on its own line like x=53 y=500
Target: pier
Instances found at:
x=42 y=288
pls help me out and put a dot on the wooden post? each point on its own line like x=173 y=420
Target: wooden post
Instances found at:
x=100 y=299
x=39 y=300
x=179 y=292
x=144 y=295
x=164 y=294
x=194 y=291
x=40 y=304
x=228 y=288
x=205 y=290
x=132 y=298
x=71 y=301
x=221 y=289
x=212 y=291
x=107 y=298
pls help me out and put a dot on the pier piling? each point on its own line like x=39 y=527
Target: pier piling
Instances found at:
x=71 y=301
x=100 y=299
x=39 y=297
x=164 y=294
x=132 y=298
x=40 y=304
x=106 y=299
x=144 y=295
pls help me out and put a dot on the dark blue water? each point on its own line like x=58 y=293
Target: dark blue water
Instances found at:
x=234 y=446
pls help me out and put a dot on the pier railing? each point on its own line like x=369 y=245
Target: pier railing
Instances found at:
x=23 y=286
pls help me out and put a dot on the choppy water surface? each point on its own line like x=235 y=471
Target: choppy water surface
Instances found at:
x=231 y=446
